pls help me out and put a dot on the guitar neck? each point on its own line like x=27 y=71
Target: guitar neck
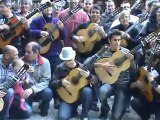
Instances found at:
x=91 y=62
x=9 y=84
x=134 y=50
x=41 y=7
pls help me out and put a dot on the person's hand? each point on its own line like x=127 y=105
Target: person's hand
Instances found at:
x=108 y=66
x=27 y=93
x=130 y=56
x=31 y=69
x=139 y=84
x=2 y=94
x=66 y=83
x=150 y=76
x=84 y=73
x=4 y=27
x=25 y=23
x=81 y=39
x=44 y=33
x=60 y=25
x=101 y=31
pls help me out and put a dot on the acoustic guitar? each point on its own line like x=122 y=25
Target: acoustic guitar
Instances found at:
x=53 y=31
x=16 y=28
x=91 y=35
x=119 y=59
x=11 y=82
x=147 y=90
x=71 y=95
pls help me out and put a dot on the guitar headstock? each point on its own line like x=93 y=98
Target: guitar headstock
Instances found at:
x=22 y=71
x=76 y=9
x=136 y=5
x=151 y=37
x=157 y=43
x=117 y=11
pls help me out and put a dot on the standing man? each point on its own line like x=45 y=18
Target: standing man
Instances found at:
x=72 y=22
x=88 y=4
x=6 y=16
x=40 y=76
x=38 y=31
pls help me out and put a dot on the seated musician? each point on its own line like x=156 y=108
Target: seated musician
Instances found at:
x=95 y=18
x=120 y=88
x=142 y=104
x=7 y=19
x=67 y=110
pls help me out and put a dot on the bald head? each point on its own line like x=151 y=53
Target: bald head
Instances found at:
x=9 y=54
x=8 y=49
x=32 y=51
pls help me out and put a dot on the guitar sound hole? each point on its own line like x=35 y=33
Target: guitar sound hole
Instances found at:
x=7 y=35
x=75 y=80
x=90 y=33
x=145 y=79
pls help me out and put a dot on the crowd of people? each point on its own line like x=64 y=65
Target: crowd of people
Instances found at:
x=81 y=52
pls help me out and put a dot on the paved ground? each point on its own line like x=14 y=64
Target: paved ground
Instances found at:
x=94 y=115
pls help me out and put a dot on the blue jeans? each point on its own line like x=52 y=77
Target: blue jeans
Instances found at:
x=45 y=96
x=66 y=109
x=16 y=113
x=120 y=92
x=4 y=114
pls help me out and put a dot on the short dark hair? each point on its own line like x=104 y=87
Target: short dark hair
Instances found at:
x=113 y=33
x=6 y=2
x=36 y=47
x=97 y=7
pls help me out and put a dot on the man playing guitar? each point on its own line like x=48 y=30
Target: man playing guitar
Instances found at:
x=60 y=80
x=7 y=18
x=120 y=88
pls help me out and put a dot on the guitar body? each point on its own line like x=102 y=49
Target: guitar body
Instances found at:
x=1 y=104
x=88 y=45
x=6 y=37
x=104 y=76
x=147 y=90
x=47 y=41
x=71 y=95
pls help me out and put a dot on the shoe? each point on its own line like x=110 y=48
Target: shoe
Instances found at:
x=101 y=117
x=43 y=113
x=84 y=117
x=56 y=103
x=75 y=113
x=95 y=108
x=128 y=110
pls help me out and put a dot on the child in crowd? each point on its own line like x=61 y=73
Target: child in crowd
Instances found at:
x=18 y=89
